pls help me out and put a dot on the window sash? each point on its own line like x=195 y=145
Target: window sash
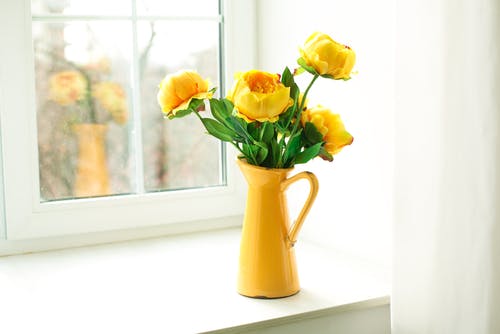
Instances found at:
x=136 y=145
x=24 y=215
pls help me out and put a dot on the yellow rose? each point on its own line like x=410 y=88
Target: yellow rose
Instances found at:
x=67 y=87
x=327 y=56
x=330 y=126
x=177 y=90
x=112 y=98
x=259 y=96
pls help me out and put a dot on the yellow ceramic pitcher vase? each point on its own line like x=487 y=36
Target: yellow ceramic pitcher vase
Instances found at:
x=267 y=266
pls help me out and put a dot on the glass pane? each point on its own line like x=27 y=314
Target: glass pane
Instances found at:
x=81 y=7
x=177 y=153
x=83 y=102
x=178 y=8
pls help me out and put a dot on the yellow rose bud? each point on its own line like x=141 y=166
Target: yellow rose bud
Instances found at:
x=259 y=96
x=330 y=126
x=177 y=90
x=112 y=98
x=327 y=56
x=67 y=87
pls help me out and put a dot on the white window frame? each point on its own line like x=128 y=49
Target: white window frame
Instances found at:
x=23 y=216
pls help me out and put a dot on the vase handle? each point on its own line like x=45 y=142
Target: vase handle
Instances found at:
x=313 y=191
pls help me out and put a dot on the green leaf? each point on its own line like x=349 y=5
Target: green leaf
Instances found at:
x=275 y=153
x=247 y=150
x=287 y=78
x=323 y=153
x=292 y=149
x=222 y=115
x=289 y=81
x=219 y=111
x=328 y=76
x=266 y=132
x=298 y=71
x=193 y=107
x=195 y=104
x=295 y=141
x=218 y=130
x=293 y=114
x=181 y=113
x=240 y=126
x=261 y=153
x=308 y=154
x=253 y=130
x=250 y=151
x=306 y=67
x=312 y=134
x=228 y=105
x=284 y=119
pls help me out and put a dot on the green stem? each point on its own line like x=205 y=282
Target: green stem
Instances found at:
x=198 y=115
x=254 y=159
x=297 y=120
x=303 y=102
x=251 y=157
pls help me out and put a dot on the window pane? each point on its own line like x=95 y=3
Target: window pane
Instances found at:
x=178 y=8
x=81 y=7
x=177 y=153
x=83 y=98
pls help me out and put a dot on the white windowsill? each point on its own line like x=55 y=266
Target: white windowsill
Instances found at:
x=177 y=284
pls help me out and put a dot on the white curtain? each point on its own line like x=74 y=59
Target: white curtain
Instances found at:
x=447 y=185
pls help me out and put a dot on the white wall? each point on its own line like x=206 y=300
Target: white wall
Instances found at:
x=353 y=210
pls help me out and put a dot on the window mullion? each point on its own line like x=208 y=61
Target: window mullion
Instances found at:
x=136 y=135
x=222 y=86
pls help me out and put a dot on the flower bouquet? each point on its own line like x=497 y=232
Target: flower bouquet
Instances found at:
x=266 y=118
x=265 y=115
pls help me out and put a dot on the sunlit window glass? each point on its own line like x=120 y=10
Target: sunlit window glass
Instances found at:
x=97 y=68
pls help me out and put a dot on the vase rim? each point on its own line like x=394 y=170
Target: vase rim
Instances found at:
x=244 y=162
